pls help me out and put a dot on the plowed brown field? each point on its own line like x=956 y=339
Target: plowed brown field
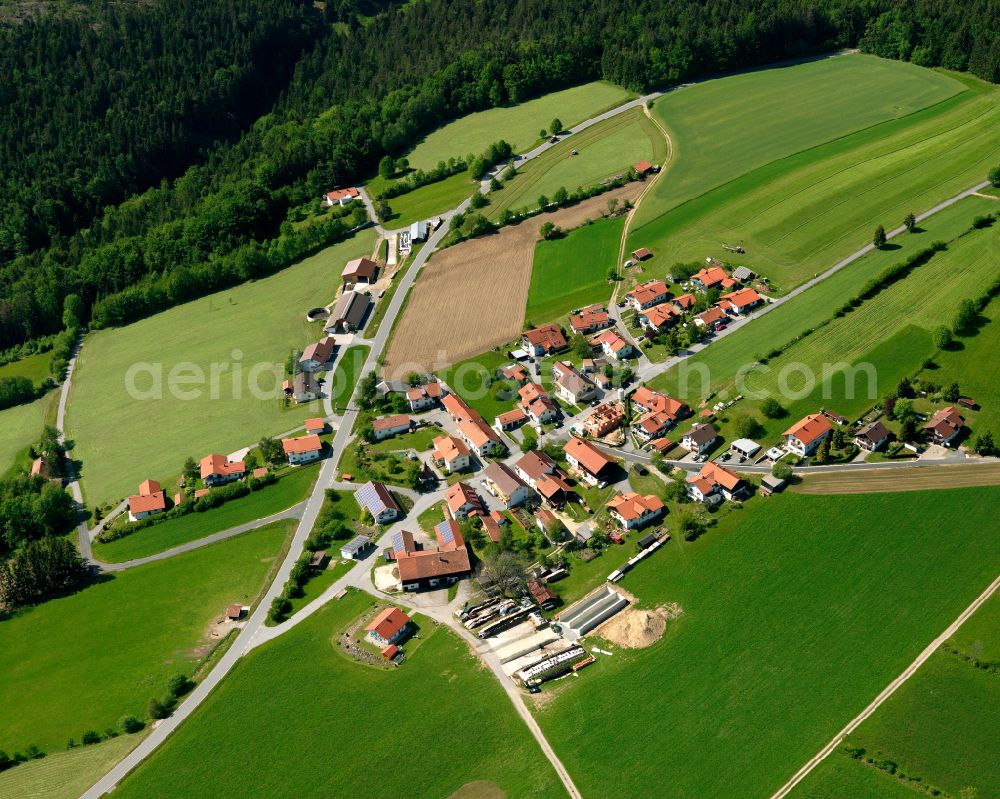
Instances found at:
x=471 y=297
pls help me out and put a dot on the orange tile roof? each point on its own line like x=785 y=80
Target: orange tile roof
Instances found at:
x=144 y=503
x=391 y=422
x=147 y=487
x=587 y=320
x=720 y=475
x=461 y=494
x=477 y=431
x=809 y=429
x=685 y=301
x=340 y=194
x=743 y=298
x=712 y=315
x=388 y=623
x=315 y=424
x=659 y=315
x=509 y=417
x=647 y=292
x=632 y=506
x=611 y=338
x=308 y=443
x=448 y=448
x=219 y=464
x=587 y=455
x=456 y=407
x=655 y=401
x=548 y=337
x=642 y=167
x=711 y=276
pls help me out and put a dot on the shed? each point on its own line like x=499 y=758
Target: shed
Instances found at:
x=647 y=541
x=318 y=558
x=770 y=484
x=742 y=273
x=745 y=447
x=642 y=254
x=356 y=548
x=234 y=612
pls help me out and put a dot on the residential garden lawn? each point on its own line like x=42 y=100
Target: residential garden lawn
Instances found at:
x=301 y=683
x=320 y=582
x=518 y=124
x=290 y=489
x=475 y=382
x=34 y=367
x=387 y=457
x=65 y=775
x=798 y=214
x=20 y=427
x=797 y=611
x=429 y=200
x=431 y=517
x=342 y=382
x=572 y=272
x=604 y=150
x=83 y=661
x=940 y=726
x=722 y=360
x=263 y=321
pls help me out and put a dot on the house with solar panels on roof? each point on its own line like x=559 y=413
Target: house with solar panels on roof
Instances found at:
x=426 y=567
x=379 y=502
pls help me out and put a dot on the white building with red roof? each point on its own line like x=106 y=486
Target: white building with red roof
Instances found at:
x=612 y=345
x=647 y=294
x=150 y=500
x=341 y=196
x=544 y=340
x=804 y=437
x=304 y=449
x=632 y=510
x=389 y=426
x=218 y=469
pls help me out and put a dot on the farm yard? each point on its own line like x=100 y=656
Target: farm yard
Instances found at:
x=21 y=426
x=262 y=322
x=572 y=272
x=798 y=214
x=471 y=297
x=823 y=605
x=303 y=682
x=83 y=661
x=938 y=730
x=517 y=124
x=604 y=150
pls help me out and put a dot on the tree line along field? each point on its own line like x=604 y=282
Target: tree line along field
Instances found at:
x=939 y=729
x=333 y=724
x=797 y=611
x=83 y=661
x=724 y=358
x=122 y=441
x=604 y=150
x=519 y=124
x=798 y=213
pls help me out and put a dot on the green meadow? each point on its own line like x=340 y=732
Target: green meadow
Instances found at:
x=83 y=661
x=336 y=727
x=474 y=380
x=603 y=150
x=796 y=612
x=572 y=272
x=34 y=367
x=429 y=200
x=65 y=775
x=243 y=336
x=345 y=376
x=517 y=124
x=21 y=426
x=797 y=213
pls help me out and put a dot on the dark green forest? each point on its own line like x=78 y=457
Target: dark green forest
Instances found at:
x=152 y=153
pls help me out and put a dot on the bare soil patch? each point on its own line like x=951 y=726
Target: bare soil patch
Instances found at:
x=471 y=297
x=478 y=789
x=916 y=478
x=635 y=628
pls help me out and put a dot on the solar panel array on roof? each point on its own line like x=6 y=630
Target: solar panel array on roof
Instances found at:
x=444 y=530
x=397 y=541
x=368 y=497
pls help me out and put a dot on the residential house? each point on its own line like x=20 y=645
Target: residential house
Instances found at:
x=642 y=254
x=741 y=302
x=480 y=437
x=424 y=396
x=711 y=317
x=647 y=294
x=434 y=568
x=348 y=312
x=218 y=469
x=612 y=345
x=710 y=278
x=389 y=426
x=510 y=420
x=305 y=387
x=537 y=404
x=590 y=319
x=700 y=438
x=341 y=196
x=654 y=424
x=462 y=500
x=587 y=461
x=451 y=453
x=502 y=482
x=649 y=401
x=543 y=340
x=944 y=426
x=514 y=372
x=545 y=476
x=304 y=449
x=148 y=501
x=388 y=627
x=804 y=437
x=379 y=502
x=571 y=385
x=359 y=270
x=604 y=419
x=722 y=481
x=872 y=437
x=317 y=355
x=684 y=303
x=456 y=407
x=633 y=511
x=659 y=317
x=316 y=425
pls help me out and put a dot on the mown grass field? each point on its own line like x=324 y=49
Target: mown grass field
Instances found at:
x=429 y=200
x=65 y=775
x=34 y=367
x=796 y=612
x=83 y=661
x=122 y=441
x=21 y=426
x=345 y=376
x=319 y=707
x=289 y=490
x=517 y=124
x=572 y=272
x=474 y=381
x=800 y=212
x=940 y=728
x=604 y=150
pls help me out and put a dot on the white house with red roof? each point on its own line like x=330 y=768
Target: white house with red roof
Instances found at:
x=317 y=355
x=218 y=469
x=389 y=426
x=588 y=462
x=715 y=482
x=150 y=500
x=612 y=345
x=741 y=302
x=462 y=500
x=424 y=396
x=590 y=319
x=649 y=401
x=543 y=340
x=659 y=317
x=632 y=510
x=388 y=627
x=341 y=196
x=944 y=426
x=304 y=449
x=683 y=303
x=451 y=453
x=804 y=437
x=712 y=316
x=647 y=294
x=710 y=278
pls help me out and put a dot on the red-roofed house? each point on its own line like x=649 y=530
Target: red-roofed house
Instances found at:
x=304 y=449
x=612 y=345
x=741 y=301
x=451 y=453
x=316 y=425
x=642 y=167
x=715 y=481
x=711 y=317
x=544 y=340
x=804 y=437
x=589 y=319
x=508 y=420
x=647 y=294
x=650 y=400
x=217 y=469
x=388 y=627
x=317 y=355
x=659 y=317
x=341 y=196
x=456 y=407
x=710 y=278
x=543 y=474
x=684 y=303
x=148 y=501
x=462 y=500
x=944 y=426
x=480 y=437
x=424 y=396
x=389 y=426
x=586 y=460
x=633 y=511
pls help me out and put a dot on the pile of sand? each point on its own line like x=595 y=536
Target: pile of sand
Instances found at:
x=634 y=628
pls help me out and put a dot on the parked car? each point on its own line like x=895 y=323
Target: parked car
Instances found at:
x=438 y=424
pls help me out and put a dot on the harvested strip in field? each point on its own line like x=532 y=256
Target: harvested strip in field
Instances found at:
x=916 y=478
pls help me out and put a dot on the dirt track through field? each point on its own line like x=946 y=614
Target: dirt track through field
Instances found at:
x=916 y=478
x=471 y=297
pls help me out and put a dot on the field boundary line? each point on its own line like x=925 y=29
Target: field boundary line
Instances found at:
x=888 y=691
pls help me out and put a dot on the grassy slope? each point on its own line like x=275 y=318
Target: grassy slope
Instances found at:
x=518 y=124
x=34 y=367
x=796 y=613
x=122 y=441
x=343 y=380
x=64 y=775
x=21 y=426
x=337 y=727
x=84 y=661
x=425 y=202
x=286 y=492
x=572 y=272
x=473 y=380
x=606 y=149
